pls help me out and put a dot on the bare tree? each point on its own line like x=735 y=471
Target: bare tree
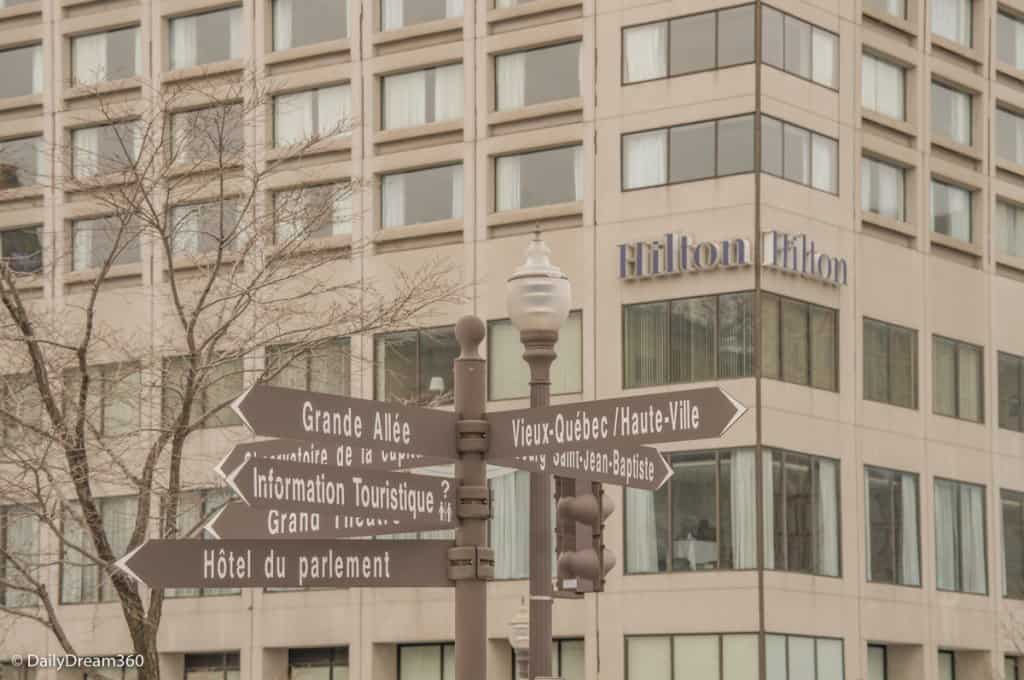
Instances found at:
x=104 y=386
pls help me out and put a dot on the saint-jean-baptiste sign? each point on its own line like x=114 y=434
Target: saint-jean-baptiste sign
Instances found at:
x=677 y=254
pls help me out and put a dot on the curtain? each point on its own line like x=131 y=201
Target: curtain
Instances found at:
x=946 y=532
x=646 y=344
x=952 y=19
x=453 y=8
x=190 y=513
x=21 y=543
x=909 y=554
x=960 y=121
x=90 y=55
x=1018 y=43
x=342 y=217
x=37 y=69
x=577 y=173
x=645 y=52
x=393 y=200
x=641 y=531
x=448 y=92
x=511 y=77
x=828 y=518
x=743 y=499
x=185 y=225
x=510 y=183
x=235 y=33
x=510 y=525
x=293 y=120
x=282 y=24
x=972 y=538
x=82 y=246
x=768 y=518
x=137 y=61
x=968 y=381
x=184 y=42
x=457 y=192
x=86 y=151
x=392 y=14
x=566 y=373
x=334 y=112
x=645 y=161
x=823 y=163
x=118 y=522
x=418 y=662
x=823 y=47
x=405 y=99
x=867 y=516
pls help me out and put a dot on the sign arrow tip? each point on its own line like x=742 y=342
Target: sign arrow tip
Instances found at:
x=236 y=406
x=668 y=469
x=740 y=410
x=208 y=527
x=122 y=564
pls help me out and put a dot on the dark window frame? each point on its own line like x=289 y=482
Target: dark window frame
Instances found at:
x=99 y=596
x=670 y=638
x=959 y=544
x=229 y=661
x=957 y=344
x=419 y=350
x=202 y=396
x=196 y=14
x=952 y=659
x=815 y=638
x=106 y=30
x=36 y=269
x=406 y=171
x=441 y=648
x=948 y=85
x=836 y=62
x=528 y=152
x=316 y=111
x=808 y=308
x=810 y=160
x=204 y=497
x=932 y=181
x=1016 y=497
x=308 y=356
x=536 y=48
x=1019 y=360
x=332 y=662
x=888 y=361
x=892 y=474
x=885 y=657
x=578 y=312
x=868 y=155
x=381 y=77
x=557 y=642
x=5 y=513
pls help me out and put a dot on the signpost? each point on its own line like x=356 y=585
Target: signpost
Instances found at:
x=638 y=467
x=339 y=455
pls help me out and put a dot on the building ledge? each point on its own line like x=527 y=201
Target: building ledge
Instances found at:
x=883 y=222
x=117 y=271
x=971 y=54
x=968 y=151
x=335 y=144
x=23 y=102
x=973 y=248
x=444 y=127
x=311 y=245
x=341 y=45
x=21 y=193
x=23 y=10
x=427 y=28
x=413 y=231
x=1011 y=261
x=555 y=108
x=904 y=127
x=528 y=9
x=898 y=23
x=218 y=68
x=97 y=89
x=1009 y=166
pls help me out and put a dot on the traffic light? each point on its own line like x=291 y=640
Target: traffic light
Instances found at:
x=583 y=560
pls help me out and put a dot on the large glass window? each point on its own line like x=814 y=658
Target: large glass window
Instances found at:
x=952 y=211
x=685 y=153
x=1011 y=392
x=688 y=44
x=19 y=545
x=304 y=22
x=205 y=227
x=199 y=39
x=704 y=518
x=883 y=87
x=692 y=657
x=318 y=663
x=104 y=149
x=896 y=8
x=883 y=189
x=536 y=76
x=539 y=178
x=890 y=363
x=222 y=383
x=1010 y=228
x=1011 y=668
x=220 y=666
x=878 y=662
x=951 y=114
x=957 y=380
x=800 y=342
x=1009 y=136
x=95 y=242
x=1010 y=39
x=209 y=135
x=311 y=212
x=415 y=367
x=21 y=249
x=110 y=55
x=947 y=665
x=325 y=367
x=22 y=162
x=799 y=48
x=794 y=657
x=195 y=508
x=799 y=155
x=801 y=513
x=426 y=662
x=688 y=340
x=509 y=375
x=420 y=196
x=419 y=97
x=1013 y=544
x=21 y=404
x=395 y=14
x=893 y=538
x=321 y=112
x=960 y=562
x=23 y=71
x=953 y=20
x=114 y=389
x=81 y=577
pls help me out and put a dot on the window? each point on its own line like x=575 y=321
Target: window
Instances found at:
x=960 y=537
x=220 y=383
x=801 y=342
x=105 y=149
x=799 y=155
x=883 y=87
x=419 y=97
x=1010 y=136
x=110 y=55
x=112 y=669
x=509 y=375
x=1010 y=39
x=799 y=48
x=539 y=178
x=312 y=212
x=878 y=663
x=801 y=514
x=21 y=403
x=322 y=112
x=1013 y=544
x=199 y=39
x=692 y=657
x=324 y=367
x=689 y=44
x=420 y=196
x=794 y=657
x=1011 y=668
x=688 y=340
x=426 y=662
x=567 y=660
x=536 y=76
x=220 y=666
x=21 y=249
x=82 y=580
x=194 y=509
x=951 y=114
x=896 y=8
x=95 y=242
x=958 y=382
x=4 y=4
x=113 y=403
x=951 y=211
x=318 y=663
x=1010 y=227
x=22 y=162
x=23 y=71
x=395 y=14
x=952 y=20
x=704 y=518
x=210 y=135
x=883 y=189
x=205 y=227
x=893 y=542
x=304 y=22
x=685 y=153
x=415 y=367
x=19 y=544
x=890 y=364
x=1011 y=392
x=947 y=665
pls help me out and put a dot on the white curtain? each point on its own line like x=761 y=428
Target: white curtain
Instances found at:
x=334 y=106
x=646 y=52
x=37 y=69
x=743 y=507
x=828 y=518
x=405 y=99
x=90 y=55
x=453 y=8
x=510 y=525
x=81 y=247
x=646 y=159
x=768 y=518
x=577 y=173
x=457 y=192
x=968 y=379
x=909 y=554
x=511 y=79
x=945 y=535
x=185 y=226
x=972 y=537
x=510 y=186
x=882 y=88
x=86 y=151
x=1018 y=43
x=448 y=92
x=392 y=14
x=952 y=19
x=641 y=531
x=235 y=33
x=823 y=163
x=22 y=547
x=184 y=42
x=282 y=24
x=960 y=121
x=393 y=200
x=293 y=120
x=138 y=52
x=823 y=47
x=342 y=223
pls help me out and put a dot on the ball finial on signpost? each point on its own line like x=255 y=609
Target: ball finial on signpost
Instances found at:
x=470 y=331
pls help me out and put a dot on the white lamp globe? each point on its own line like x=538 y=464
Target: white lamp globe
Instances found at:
x=538 y=293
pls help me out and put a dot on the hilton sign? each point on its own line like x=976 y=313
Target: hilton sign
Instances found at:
x=676 y=254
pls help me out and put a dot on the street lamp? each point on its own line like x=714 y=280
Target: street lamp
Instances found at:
x=519 y=639
x=538 y=296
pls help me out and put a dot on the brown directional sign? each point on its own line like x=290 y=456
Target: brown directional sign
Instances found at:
x=634 y=467
x=373 y=429
x=339 y=455
x=192 y=563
